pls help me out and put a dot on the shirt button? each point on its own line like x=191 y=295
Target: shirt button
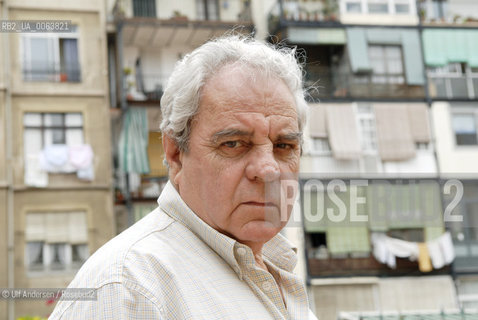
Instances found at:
x=266 y=285
x=241 y=251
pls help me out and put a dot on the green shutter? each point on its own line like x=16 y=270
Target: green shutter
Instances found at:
x=443 y=46
x=412 y=55
x=358 y=50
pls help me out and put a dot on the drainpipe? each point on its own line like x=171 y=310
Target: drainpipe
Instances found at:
x=9 y=163
x=124 y=108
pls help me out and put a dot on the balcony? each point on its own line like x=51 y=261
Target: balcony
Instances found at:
x=160 y=23
x=144 y=88
x=364 y=266
x=189 y=10
x=46 y=74
x=347 y=85
x=448 y=12
x=302 y=12
x=453 y=86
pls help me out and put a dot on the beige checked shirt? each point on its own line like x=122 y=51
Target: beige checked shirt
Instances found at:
x=172 y=265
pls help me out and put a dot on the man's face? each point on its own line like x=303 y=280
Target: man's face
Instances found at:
x=243 y=142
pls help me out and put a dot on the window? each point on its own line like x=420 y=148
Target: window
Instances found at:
x=464 y=127
x=439 y=8
x=144 y=8
x=207 y=9
x=51 y=57
x=367 y=128
x=378 y=6
x=353 y=6
x=44 y=129
x=402 y=6
x=387 y=64
x=321 y=146
x=56 y=241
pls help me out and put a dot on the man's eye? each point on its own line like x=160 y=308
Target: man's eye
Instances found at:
x=284 y=146
x=231 y=144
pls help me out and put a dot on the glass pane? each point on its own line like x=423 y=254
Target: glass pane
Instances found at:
x=459 y=88
x=54 y=119
x=58 y=136
x=74 y=137
x=58 y=255
x=73 y=119
x=464 y=123
x=439 y=87
x=466 y=139
x=32 y=119
x=42 y=58
x=377 y=7
x=472 y=217
x=35 y=255
x=32 y=143
x=213 y=12
x=375 y=52
x=354 y=7
x=402 y=8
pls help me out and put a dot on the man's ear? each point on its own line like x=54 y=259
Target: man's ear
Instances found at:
x=173 y=158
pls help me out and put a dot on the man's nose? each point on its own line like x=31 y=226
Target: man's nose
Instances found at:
x=263 y=165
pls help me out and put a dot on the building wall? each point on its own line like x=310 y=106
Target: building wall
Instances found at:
x=91 y=55
x=454 y=161
x=332 y=296
x=3 y=248
x=3 y=177
x=98 y=207
x=96 y=133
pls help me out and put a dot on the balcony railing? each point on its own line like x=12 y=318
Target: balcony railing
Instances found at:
x=191 y=10
x=339 y=85
x=453 y=86
x=52 y=75
x=364 y=266
x=145 y=87
x=302 y=10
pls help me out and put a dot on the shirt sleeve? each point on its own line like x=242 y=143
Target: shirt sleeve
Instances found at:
x=311 y=315
x=113 y=301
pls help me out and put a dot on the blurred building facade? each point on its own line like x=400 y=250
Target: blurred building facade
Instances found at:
x=146 y=39
x=55 y=164
x=396 y=123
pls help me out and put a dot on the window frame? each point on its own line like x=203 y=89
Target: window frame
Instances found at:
x=462 y=71
x=387 y=75
x=46 y=264
x=464 y=111
x=54 y=40
x=43 y=128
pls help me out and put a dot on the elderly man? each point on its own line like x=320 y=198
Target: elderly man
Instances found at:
x=232 y=117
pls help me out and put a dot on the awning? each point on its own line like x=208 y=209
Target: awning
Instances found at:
x=316 y=35
x=316 y=120
x=343 y=131
x=395 y=141
x=419 y=122
x=443 y=46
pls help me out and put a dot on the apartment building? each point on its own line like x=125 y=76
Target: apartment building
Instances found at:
x=453 y=89
x=395 y=126
x=148 y=37
x=55 y=165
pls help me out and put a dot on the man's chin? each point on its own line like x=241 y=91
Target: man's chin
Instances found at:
x=260 y=231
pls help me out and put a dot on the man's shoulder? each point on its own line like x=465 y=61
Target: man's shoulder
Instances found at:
x=108 y=263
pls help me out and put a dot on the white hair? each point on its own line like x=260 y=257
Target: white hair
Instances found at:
x=180 y=101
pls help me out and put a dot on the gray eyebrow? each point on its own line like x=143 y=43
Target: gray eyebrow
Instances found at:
x=295 y=136
x=230 y=133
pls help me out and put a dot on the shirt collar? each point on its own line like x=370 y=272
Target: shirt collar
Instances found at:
x=278 y=250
